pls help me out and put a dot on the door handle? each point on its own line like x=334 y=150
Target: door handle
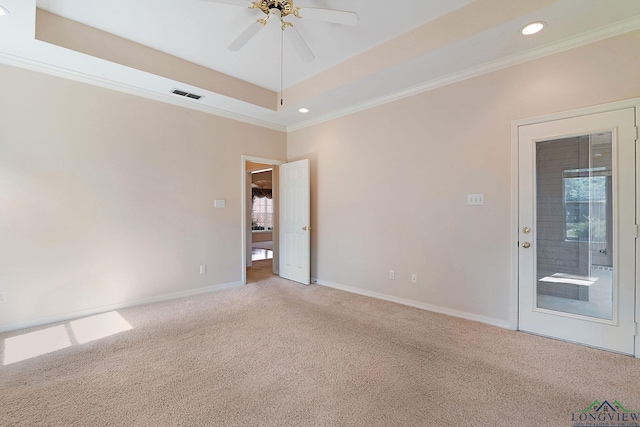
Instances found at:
x=305 y=228
x=526 y=245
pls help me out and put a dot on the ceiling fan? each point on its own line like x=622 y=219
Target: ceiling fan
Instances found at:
x=280 y=9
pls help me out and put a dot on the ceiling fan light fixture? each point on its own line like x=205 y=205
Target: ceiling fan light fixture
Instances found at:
x=285 y=7
x=533 y=28
x=4 y=11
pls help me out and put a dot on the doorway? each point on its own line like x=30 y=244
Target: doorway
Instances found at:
x=577 y=229
x=260 y=238
x=262 y=213
x=291 y=231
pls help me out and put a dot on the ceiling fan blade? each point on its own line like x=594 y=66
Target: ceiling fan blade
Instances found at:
x=298 y=43
x=245 y=36
x=231 y=2
x=329 y=15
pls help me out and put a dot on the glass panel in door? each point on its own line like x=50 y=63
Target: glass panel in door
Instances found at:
x=575 y=225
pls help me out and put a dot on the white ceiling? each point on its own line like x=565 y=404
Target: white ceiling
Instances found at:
x=199 y=31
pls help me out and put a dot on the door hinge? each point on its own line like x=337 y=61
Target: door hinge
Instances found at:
x=637 y=328
x=637 y=230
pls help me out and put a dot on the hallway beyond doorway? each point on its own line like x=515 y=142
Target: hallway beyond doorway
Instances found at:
x=260 y=270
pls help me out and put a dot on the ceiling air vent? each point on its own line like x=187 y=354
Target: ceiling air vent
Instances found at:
x=187 y=94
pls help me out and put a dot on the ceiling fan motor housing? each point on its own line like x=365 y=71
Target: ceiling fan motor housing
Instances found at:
x=284 y=6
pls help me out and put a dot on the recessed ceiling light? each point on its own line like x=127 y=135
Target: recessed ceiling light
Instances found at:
x=303 y=110
x=3 y=11
x=533 y=28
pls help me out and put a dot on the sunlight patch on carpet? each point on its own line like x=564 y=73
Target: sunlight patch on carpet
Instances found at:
x=81 y=331
x=35 y=344
x=100 y=326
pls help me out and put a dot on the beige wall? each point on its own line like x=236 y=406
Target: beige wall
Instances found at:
x=390 y=184
x=107 y=198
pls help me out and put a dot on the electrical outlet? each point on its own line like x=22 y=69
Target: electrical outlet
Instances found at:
x=392 y=274
x=203 y=269
x=414 y=278
x=3 y=297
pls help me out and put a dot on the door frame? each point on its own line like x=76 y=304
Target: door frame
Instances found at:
x=515 y=235
x=244 y=207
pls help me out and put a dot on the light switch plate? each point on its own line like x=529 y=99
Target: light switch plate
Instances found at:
x=475 y=199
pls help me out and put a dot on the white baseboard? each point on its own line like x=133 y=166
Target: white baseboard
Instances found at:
x=103 y=309
x=417 y=304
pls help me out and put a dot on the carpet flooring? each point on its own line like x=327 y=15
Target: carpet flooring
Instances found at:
x=275 y=353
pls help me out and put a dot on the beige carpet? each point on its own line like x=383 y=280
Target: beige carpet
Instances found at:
x=276 y=353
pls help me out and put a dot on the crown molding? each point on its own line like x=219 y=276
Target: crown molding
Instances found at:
x=167 y=98
x=598 y=34
x=585 y=38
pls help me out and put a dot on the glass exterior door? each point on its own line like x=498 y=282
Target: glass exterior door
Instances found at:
x=577 y=229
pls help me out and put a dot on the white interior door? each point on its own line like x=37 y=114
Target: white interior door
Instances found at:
x=577 y=229
x=295 y=229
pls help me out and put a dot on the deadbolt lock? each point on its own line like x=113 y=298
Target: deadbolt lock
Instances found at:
x=526 y=230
